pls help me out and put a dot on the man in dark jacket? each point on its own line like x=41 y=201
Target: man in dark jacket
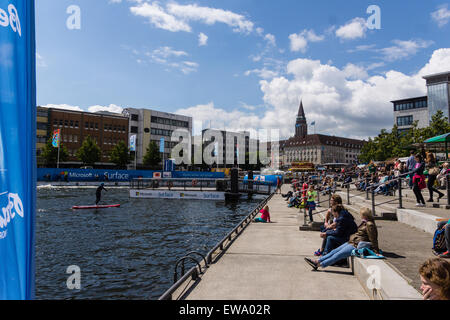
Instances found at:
x=345 y=227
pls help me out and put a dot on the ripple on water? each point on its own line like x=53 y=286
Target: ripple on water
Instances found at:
x=123 y=253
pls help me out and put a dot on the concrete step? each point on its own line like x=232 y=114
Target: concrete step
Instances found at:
x=424 y=221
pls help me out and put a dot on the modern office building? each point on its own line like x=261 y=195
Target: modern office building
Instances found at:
x=151 y=125
x=105 y=129
x=406 y=111
x=422 y=109
x=438 y=88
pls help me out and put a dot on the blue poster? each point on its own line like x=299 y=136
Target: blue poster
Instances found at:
x=17 y=149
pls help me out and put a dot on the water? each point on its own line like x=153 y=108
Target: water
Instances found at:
x=123 y=253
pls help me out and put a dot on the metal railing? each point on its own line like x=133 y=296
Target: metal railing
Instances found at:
x=244 y=186
x=221 y=247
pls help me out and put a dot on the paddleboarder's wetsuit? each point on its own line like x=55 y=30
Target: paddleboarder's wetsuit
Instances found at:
x=98 y=193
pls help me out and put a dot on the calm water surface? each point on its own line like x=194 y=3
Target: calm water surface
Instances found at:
x=123 y=253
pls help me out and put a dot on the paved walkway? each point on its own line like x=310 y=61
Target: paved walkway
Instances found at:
x=266 y=262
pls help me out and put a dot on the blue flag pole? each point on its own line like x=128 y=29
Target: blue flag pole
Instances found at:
x=17 y=149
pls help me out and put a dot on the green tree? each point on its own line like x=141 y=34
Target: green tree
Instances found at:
x=120 y=154
x=89 y=153
x=50 y=153
x=395 y=144
x=152 y=157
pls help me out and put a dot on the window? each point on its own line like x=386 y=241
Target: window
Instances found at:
x=134 y=117
x=405 y=121
x=76 y=124
x=134 y=130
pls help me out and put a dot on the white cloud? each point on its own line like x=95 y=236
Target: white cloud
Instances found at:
x=403 y=49
x=111 y=108
x=270 y=38
x=210 y=16
x=441 y=16
x=354 y=29
x=345 y=102
x=202 y=39
x=176 y=17
x=299 y=42
x=159 y=18
x=63 y=106
x=96 y=108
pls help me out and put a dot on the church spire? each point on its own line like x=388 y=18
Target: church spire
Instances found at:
x=301 y=126
x=301 y=111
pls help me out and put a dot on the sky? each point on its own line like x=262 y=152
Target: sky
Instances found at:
x=241 y=64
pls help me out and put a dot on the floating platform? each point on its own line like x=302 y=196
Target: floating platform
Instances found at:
x=95 y=207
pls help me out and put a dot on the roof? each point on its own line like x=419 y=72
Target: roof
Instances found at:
x=441 y=138
x=320 y=139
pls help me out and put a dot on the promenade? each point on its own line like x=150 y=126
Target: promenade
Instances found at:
x=266 y=262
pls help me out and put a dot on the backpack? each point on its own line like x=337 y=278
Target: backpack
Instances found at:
x=439 y=245
x=366 y=253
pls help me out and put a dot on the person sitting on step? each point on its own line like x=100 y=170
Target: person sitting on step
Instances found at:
x=365 y=237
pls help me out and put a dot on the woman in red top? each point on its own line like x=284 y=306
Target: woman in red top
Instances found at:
x=265 y=215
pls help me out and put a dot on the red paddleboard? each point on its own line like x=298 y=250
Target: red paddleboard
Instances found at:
x=96 y=207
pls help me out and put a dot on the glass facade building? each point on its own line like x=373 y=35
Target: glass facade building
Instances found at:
x=438 y=94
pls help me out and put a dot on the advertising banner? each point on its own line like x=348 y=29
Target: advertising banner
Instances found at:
x=17 y=149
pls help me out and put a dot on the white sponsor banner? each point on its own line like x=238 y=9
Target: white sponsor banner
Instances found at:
x=198 y=195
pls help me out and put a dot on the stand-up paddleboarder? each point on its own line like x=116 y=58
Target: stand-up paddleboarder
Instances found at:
x=98 y=193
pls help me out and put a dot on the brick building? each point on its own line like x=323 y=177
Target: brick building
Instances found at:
x=106 y=129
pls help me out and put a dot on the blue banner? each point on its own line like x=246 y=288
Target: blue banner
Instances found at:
x=161 y=145
x=133 y=143
x=100 y=175
x=17 y=149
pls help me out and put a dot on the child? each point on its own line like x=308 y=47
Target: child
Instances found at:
x=265 y=215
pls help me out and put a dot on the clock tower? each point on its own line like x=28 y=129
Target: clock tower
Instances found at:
x=301 y=127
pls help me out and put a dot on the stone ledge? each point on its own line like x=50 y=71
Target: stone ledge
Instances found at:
x=419 y=220
x=381 y=282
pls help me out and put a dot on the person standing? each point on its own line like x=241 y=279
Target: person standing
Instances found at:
x=279 y=184
x=419 y=180
x=410 y=165
x=311 y=201
x=98 y=193
x=433 y=171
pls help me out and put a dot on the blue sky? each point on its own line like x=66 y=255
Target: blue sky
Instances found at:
x=243 y=63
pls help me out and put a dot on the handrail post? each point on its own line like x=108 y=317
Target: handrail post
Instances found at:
x=448 y=188
x=318 y=197
x=348 y=194
x=367 y=188
x=373 y=201
x=400 y=199
x=329 y=199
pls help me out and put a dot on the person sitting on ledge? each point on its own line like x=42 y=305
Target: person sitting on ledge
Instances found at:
x=445 y=225
x=435 y=277
x=265 y=215
x=345 y=227
x=365 y=237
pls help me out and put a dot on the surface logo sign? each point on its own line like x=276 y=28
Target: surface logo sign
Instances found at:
x=11 y=208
